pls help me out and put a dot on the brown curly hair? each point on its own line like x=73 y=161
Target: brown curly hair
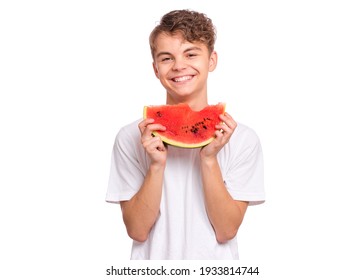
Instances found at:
x=194 y=27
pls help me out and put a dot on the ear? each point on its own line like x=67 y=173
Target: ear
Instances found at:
x=213 y=61
x=156 y=72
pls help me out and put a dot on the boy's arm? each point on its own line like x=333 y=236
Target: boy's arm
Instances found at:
x=225 y=213
x=142 y=210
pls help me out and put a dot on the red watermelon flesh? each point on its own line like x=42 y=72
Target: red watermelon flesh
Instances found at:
x=186 y=128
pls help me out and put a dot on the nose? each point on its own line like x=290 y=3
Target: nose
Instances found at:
x=179 y=64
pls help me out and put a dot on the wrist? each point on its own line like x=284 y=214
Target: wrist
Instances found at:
x=208 y=160
x=157 y=166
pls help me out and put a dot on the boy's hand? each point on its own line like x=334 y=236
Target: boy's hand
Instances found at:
x=222 y=136
x=154 y=146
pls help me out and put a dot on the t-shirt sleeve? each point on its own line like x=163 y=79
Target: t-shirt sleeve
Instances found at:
x=126 y=171
x=244 y=178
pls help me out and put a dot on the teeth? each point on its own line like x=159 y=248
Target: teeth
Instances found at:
x=181 y=79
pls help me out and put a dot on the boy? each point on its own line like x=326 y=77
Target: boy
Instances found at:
x=185 y=203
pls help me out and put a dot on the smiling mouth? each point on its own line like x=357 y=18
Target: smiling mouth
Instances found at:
x=182 y=79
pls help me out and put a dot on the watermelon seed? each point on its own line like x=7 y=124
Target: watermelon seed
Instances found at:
x=194 y=129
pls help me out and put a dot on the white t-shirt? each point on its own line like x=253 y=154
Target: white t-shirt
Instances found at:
x=182 y=229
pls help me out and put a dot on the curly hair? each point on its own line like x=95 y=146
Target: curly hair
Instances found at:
x=193 y=26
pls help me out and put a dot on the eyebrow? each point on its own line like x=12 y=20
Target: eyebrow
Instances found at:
x=162 y=53
x=186 y=50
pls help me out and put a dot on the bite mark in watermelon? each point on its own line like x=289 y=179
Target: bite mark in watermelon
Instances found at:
x=185 y=128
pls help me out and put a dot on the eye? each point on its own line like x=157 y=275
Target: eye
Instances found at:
x=191 y=55
x=166 y=58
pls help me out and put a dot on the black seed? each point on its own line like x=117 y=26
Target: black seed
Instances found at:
x=159 y=114
x=194 y=130
x=205 y=127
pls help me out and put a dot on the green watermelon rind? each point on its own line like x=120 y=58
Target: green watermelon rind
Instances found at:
x=179 y=143
x=182 y=144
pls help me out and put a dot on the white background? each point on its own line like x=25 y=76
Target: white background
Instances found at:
x=73 y=72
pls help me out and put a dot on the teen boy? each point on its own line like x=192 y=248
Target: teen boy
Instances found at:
x=185 y=203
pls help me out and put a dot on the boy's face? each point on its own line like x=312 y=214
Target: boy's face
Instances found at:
x=182 y=68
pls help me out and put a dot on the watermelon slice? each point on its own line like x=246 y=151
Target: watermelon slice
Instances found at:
x=185 y=128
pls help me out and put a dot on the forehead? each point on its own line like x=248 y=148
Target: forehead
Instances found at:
x=165 y=42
